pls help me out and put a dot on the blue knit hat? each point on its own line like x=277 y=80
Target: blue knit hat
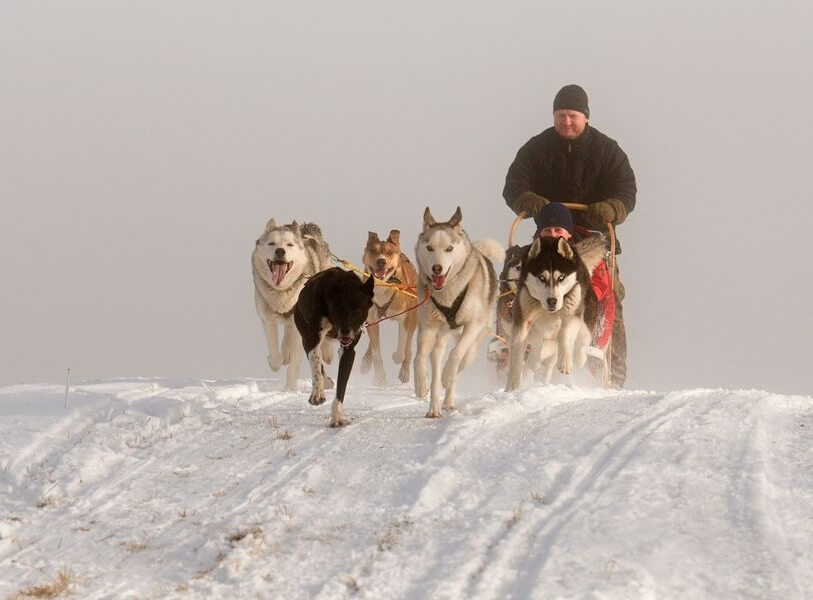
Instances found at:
x=554 y=214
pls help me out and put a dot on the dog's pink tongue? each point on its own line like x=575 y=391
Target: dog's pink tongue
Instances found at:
x=278 y=271
x=438 y=281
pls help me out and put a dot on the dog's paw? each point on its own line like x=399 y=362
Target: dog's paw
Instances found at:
x=566 y=365
x=397 y=357
x=381 y=379
x=434 y=413
x=403 y=374
x=448 y=405
x=275 y=361
x=317 y=397
x=421 y=387
x=336 y=414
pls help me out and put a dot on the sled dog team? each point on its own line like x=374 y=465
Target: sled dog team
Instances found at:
x=452 y=295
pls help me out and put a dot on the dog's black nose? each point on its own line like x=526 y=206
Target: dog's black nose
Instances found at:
x=380 y=263
x=437 y=269
x=279 y=252
x=551 y=302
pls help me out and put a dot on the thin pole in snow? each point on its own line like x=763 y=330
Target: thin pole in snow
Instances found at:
x=67 y=379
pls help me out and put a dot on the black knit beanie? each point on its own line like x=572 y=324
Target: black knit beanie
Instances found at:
x=554 y=214
x=572 y=97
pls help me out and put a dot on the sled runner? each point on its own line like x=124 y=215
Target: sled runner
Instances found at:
x=602 y=282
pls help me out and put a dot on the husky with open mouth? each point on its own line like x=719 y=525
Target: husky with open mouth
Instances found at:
x=284 y=257
x=461 y=282
x=386 y=262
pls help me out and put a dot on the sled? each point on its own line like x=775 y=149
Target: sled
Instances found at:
x=603 y=280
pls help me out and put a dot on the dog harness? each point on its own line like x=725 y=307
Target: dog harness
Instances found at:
x=450 y=312
x=382 y=310
x=287 y=314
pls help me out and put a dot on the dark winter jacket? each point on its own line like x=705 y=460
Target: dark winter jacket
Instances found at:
x=588 y=169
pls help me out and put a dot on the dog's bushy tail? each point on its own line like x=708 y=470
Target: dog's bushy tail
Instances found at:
x=491 y=249
x=310 y=230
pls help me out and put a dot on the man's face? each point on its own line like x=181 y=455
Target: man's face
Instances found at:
x=569 y=123
x=559 y=232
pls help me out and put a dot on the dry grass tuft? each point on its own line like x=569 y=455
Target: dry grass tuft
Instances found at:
x=284 y=435
x=48 y=502
x=514 y=518
x=56 y=587
x=134 y=546
x=392 y=537
x=352 y=585
x=256 y=532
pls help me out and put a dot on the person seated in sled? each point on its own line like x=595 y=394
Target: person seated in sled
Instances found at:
x=574 y=162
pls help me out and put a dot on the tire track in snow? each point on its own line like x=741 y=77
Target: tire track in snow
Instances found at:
x=569 y=495
x=754 y=508
x=458 y=442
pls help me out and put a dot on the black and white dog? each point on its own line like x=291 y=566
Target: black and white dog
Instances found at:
x=333 y=305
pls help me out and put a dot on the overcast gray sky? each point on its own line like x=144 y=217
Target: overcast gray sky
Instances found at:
x=143 y=146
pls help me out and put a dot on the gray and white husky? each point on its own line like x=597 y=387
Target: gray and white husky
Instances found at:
x=284 y=257
x=556 y=304
x=461 y=282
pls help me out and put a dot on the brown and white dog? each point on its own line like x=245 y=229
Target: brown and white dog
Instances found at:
x=387 y=263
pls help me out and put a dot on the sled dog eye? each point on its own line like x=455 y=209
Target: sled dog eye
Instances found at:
x=430 y=248
x=390 y=252
x=290 y=244
x=561 y=278
x=449 y=248
x=272 y=243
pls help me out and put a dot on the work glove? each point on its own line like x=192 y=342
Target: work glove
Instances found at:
x=611 y=210
x=529 y=203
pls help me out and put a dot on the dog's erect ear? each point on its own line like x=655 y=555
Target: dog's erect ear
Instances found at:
x=564 y=249
x=457 y=217
x=271 y=224
x=394 y=237
x=535 y=248
x=428 y=219
x=295 y=227
x=372 y=236
x=369 y=286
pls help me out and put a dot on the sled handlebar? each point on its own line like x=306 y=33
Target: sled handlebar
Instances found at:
x=572 y=206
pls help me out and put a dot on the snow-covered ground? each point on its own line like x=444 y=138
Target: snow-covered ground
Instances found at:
x=155 y=488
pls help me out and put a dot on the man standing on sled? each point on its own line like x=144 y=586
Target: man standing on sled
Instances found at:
x=574 y=162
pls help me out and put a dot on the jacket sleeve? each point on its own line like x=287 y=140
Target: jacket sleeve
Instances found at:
x=519 y=179
x=619 y=179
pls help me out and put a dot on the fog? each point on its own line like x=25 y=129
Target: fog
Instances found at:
x=145 y=145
